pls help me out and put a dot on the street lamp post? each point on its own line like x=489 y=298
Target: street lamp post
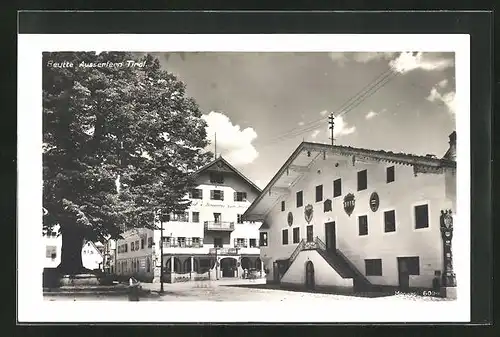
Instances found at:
x=161 y=254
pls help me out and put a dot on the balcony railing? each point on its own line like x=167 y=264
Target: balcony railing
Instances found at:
x=219 y=226
x=182 y=245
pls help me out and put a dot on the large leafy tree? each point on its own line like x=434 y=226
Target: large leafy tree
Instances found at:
x=120 y=143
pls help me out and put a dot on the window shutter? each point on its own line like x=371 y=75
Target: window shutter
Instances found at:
x=212 y=193
x=235 y=196
x=201 y=193
x=221 y=195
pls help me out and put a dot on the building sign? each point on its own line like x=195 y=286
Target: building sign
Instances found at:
x=208 y=204
x=349 y=203
x=308 y=213
x=223 y=251
x=290 y=218
x=374 y=202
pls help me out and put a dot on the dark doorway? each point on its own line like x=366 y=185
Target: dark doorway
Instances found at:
x=309 y=275
x=309 y=233
x=218 y=242
x=330 y=236
x=245 y=263
x=403 y=274
x=407 y=266
x=228 y=267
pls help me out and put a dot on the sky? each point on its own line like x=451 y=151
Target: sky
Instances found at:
x=263 y=105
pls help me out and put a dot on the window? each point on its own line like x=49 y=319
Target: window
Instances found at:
x=363 y=225
x=216 y=178
x=390 y=174
x=421 y=216
x=373 y=267
x=196 y=217
x=181 y=241
x=283 y=206
x=253 y=243
x=180 y=217
x=319 y=193
x=196 y=242
x=263 y=239
x=143 y=242
x=300 y=200
x=390 y=221
x=284 y=236
x=137 y=245
x=196 y=194
x=239 y=218
x=362 y=180
x=217 y=242
x=51 y=252
x=240 y=242
x=132 y=247
x=296 y=235
x=337 y=188
x=240 y=196
x=217 y=217
x=148 y=265
x=216 y=195
x=125 y=246
x=327 y=205
x=150 y=242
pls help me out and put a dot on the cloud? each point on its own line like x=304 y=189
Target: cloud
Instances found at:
x=339 y=58
x=323 y=113
x=408 y=61
x=233 y=143
x=372 y=56
x=371 y=114
x=448 y=99
x=300 y=123
x=341 y=128
x=443 y=83
x=315 y=134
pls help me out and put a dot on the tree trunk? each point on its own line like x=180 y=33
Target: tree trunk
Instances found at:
x=71 y=251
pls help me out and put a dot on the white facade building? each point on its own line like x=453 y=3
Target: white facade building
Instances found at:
x=341 y=217
x=214 y=220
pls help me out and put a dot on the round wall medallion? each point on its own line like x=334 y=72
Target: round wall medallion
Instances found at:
x=290 y=218
x=374 y=202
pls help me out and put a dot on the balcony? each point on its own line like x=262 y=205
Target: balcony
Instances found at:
x=220 y=226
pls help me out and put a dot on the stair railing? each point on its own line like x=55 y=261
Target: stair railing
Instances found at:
x=321 y=245
x=296 y=252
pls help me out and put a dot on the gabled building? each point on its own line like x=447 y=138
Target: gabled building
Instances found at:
x=346 y=218
x=209 y=240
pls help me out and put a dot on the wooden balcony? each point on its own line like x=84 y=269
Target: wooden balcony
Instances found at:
x=221 y=226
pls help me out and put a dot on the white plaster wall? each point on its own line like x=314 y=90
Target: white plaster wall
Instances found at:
x=91 y=258
x=324 y=274
x=401 y=195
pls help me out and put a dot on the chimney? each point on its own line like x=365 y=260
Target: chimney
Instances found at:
x=451 y=154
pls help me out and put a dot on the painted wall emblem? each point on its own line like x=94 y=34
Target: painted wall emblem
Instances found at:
x=290 y=218
x=349 y=203
x=308 y=213
x=374 y=201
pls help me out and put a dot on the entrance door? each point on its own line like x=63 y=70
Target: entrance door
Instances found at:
x=309 y=275
x=218 y=242
x=309 y=233
x=330 y=236
x=403 y=274
x=228 y=266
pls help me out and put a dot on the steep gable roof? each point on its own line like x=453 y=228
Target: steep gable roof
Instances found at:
x=222 y=161
x=273 y=192
x=92 y=244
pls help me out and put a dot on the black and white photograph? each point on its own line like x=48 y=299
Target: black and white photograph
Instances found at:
x=233 y=178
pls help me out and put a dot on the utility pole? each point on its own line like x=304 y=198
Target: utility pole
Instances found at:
x=332 y=124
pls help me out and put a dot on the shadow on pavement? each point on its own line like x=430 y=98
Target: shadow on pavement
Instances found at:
x=302 y=290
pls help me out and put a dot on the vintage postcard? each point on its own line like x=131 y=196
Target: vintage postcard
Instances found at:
x=256 y=178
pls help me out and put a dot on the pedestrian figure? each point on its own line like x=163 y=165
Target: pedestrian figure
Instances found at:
x=134 y=288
